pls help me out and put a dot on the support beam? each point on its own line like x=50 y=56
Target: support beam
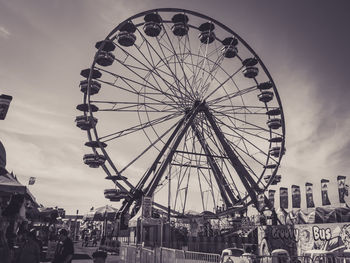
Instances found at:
x=126 y=205
x=225 y=191
x=251 y=186
x=189 y=120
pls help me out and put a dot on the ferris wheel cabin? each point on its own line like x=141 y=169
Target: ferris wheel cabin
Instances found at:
x=94 y=160
x=115 y=195
x=126 y=36
x=229 y=49
x=275 y=180
x=207 y=35
x=180 y=27
x=85 y=122
x=94 y=87
x=152 y=26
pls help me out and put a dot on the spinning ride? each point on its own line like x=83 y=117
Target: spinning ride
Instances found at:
x=178 y=107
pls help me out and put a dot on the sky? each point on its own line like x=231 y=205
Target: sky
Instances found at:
x=44 y=45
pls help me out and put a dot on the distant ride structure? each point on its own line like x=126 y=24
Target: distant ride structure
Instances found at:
x=179 y=108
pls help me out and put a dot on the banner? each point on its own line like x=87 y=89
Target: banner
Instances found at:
x=295 y=196
x=341 y=188
x=284 y=197
x=324 y=192
x=326 y=237
x=272 y=197
x=146 y=207
x=309 y=195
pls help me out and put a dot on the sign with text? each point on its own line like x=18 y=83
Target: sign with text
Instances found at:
x=147 y=207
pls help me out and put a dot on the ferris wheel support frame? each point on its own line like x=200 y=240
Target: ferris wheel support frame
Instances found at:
x=248 y=182
x=135 y=193
x=225 y=191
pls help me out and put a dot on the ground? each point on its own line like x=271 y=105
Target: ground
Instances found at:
x=83 y=254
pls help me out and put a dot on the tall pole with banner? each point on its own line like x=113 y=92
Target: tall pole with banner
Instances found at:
x=324 y=192
x=341 y=188
x=309 y=195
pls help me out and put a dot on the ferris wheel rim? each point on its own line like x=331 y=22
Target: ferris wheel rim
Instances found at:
x=87 y=97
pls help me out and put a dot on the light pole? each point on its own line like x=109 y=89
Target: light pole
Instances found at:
x=169 y=200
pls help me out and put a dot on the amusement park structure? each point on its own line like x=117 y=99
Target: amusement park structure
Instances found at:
x=191 y=116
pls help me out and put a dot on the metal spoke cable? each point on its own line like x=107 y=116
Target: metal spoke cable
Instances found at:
x=139 y=127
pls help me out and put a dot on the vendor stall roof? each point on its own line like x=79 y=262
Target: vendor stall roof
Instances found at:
x=10 y=185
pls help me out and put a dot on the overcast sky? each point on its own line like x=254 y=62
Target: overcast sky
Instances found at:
x=44 y=45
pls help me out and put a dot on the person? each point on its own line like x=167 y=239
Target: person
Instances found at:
x=65 y=249
x=99 y=256
x=30 y=250
x=5 y=252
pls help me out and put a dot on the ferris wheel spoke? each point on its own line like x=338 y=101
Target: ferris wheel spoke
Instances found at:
x=139 y=127
x=220 y=179
x=127 y=106
x=186 y=84
x=243 y=109
x=212 y=67
x=243 y=130
x=212 y=74
x=231 y=95
x=251 y=126
x=159 y=138
x=133 y=89
x=171 y=97
x=166 y=63
x=240 y=168
x=246 y=152
x=211 y=137
x=230 y=77
x=204 y=63
x=148 y=95
x=154 y=70
x=243 y=138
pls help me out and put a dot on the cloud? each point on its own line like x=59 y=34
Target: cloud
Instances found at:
x=4 y=33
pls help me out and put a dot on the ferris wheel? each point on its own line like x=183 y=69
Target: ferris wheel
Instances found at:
x=179 y=108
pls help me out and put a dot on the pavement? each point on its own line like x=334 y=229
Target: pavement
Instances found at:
x=84 y=254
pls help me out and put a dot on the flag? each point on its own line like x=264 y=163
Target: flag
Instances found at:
x=295 y=196
x=5 y=101
x=284 y=197
x=324 y=192
x=31 y=181
x=272 y=197
x=309 y=195
x=341 y=188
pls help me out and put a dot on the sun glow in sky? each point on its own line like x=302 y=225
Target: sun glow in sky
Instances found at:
x=45 y=44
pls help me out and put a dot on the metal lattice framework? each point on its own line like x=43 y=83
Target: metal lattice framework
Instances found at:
x=189 y=112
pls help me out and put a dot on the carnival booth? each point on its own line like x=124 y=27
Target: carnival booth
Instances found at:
x=98 y=226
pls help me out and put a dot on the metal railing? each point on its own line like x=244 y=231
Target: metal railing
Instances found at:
x=139 y=254
x=201 y=257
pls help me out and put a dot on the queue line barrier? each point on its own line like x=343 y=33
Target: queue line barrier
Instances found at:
x=138 y=254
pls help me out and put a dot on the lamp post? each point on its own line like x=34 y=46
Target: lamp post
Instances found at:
x=169 y=201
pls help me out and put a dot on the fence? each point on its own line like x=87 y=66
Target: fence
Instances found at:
x=138 y=254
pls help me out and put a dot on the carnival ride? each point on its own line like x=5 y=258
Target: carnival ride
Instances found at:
x=191 y=116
